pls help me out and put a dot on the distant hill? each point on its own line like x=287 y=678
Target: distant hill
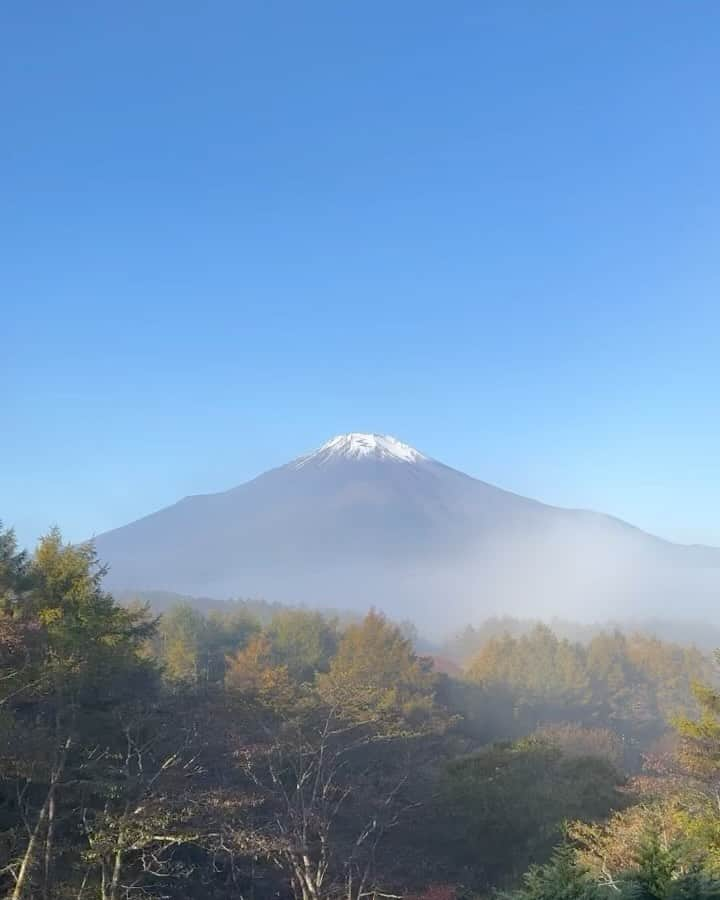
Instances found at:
x=261 y=610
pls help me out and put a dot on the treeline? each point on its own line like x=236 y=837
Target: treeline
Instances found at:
x=256 y=607
x=467 y=642
x=634 y=684
x=229 y=754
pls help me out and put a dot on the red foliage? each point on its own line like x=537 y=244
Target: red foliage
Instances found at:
x=435 y=892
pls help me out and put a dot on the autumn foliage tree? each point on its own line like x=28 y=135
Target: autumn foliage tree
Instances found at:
x=376 y=677
x=82 y=659
x=331 y=758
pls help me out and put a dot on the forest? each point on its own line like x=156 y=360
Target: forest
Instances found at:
x=258 y=751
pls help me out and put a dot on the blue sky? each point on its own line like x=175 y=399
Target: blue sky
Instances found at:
x=231 y=230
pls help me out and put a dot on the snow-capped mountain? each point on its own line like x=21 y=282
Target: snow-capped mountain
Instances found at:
x=361 y=446
x=366 y=519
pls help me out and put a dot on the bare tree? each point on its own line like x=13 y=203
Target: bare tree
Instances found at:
x=320 y=776
x=143 y=820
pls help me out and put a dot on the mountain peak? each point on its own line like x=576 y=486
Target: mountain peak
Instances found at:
x=357 y=445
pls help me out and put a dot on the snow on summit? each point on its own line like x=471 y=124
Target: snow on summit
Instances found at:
x=357 y=445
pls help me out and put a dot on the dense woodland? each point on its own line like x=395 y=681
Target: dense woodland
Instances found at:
x=258 y=752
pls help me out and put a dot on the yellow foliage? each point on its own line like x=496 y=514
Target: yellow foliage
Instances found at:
x=376 y=677
x=251 y=671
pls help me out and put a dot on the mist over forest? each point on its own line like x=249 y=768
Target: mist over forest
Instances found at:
x=158 y=745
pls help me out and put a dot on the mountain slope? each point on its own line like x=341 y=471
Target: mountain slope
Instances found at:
x=368 y=519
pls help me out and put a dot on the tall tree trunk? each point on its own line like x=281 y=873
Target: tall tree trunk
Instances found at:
x=117 y=863
x=33 y=847
x=49 y=839
x=81 y=890
x=104 y=880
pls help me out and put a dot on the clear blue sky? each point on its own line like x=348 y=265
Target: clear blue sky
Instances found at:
x=230 y=230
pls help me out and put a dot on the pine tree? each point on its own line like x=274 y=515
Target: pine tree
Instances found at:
x=560 y=879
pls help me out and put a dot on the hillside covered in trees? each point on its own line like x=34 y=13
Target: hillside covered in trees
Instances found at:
x=268 y=752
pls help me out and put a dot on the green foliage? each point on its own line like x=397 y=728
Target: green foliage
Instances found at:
x=657 y=867
x=506 y=804
x=13 y=570
x=655 y=876
x=183 y=644
x=694 y=886
x=193 y=647
x=80 y=619
x=559 y=879
x=303 y=641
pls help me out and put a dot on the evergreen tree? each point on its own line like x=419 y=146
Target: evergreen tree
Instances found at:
x=560 y=879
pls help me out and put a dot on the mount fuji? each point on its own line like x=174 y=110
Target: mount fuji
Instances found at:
x=366 y=519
